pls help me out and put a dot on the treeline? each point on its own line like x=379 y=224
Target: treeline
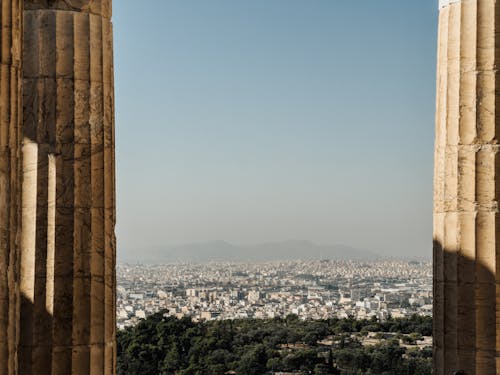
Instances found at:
x=162 y=345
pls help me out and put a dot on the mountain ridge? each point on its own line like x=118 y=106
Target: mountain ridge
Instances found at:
x=220 y=250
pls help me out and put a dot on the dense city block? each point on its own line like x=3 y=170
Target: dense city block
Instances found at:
x=309 y=289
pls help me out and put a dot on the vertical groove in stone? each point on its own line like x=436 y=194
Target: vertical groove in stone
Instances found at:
x=51 y=237
x=27 y=266
x=10 y=73
x=466 y=191
x=485 y=191
x=65 y=195
x=497 y=185
x=439 y=191
x=451 y=221
x=29 y=206
x=97 y=211
x=109 y=201
x=73 y=76
x=45 y=130
x=81 y=290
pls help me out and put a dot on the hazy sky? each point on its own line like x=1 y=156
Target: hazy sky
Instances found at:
x=265 y=120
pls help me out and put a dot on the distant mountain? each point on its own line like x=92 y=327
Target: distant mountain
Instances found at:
x=224 y=251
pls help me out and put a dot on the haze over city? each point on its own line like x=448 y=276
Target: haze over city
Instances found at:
x=255 y=121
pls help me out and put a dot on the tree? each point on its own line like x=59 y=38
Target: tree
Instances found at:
x=162 y=345
x=171 y=363
x=321 y=369
x=253 y=362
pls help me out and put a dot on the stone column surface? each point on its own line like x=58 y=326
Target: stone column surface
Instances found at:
x=10 y=84
x=67 y=265
x=466 y=190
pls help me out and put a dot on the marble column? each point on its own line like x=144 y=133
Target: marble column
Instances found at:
x=466 y=190
x=68 y=244
x=10 y=84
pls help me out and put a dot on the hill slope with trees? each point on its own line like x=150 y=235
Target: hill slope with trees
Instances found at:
x=165 y=345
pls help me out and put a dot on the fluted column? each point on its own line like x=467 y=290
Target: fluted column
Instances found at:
x=466 y=190
x=10 y=74
x=68 y=255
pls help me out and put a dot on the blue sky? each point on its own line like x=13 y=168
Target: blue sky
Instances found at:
x=265 y=120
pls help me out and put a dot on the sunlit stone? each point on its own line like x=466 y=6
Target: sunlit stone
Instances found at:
x=57 y=188
x=466 y=306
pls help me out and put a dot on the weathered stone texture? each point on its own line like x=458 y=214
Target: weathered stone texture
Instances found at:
x=466 y=189
x=68 y=243
x=57 y=200
x=10 y=84
x=99 y=7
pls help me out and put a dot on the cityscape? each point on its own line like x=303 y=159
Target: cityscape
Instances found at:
x=309 y=289
x=273 y=171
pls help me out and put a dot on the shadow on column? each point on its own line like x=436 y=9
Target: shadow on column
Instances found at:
x=464 y=314
x=46 y=331
x=35 y=348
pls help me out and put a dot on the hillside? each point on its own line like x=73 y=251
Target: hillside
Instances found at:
x=165 y=345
